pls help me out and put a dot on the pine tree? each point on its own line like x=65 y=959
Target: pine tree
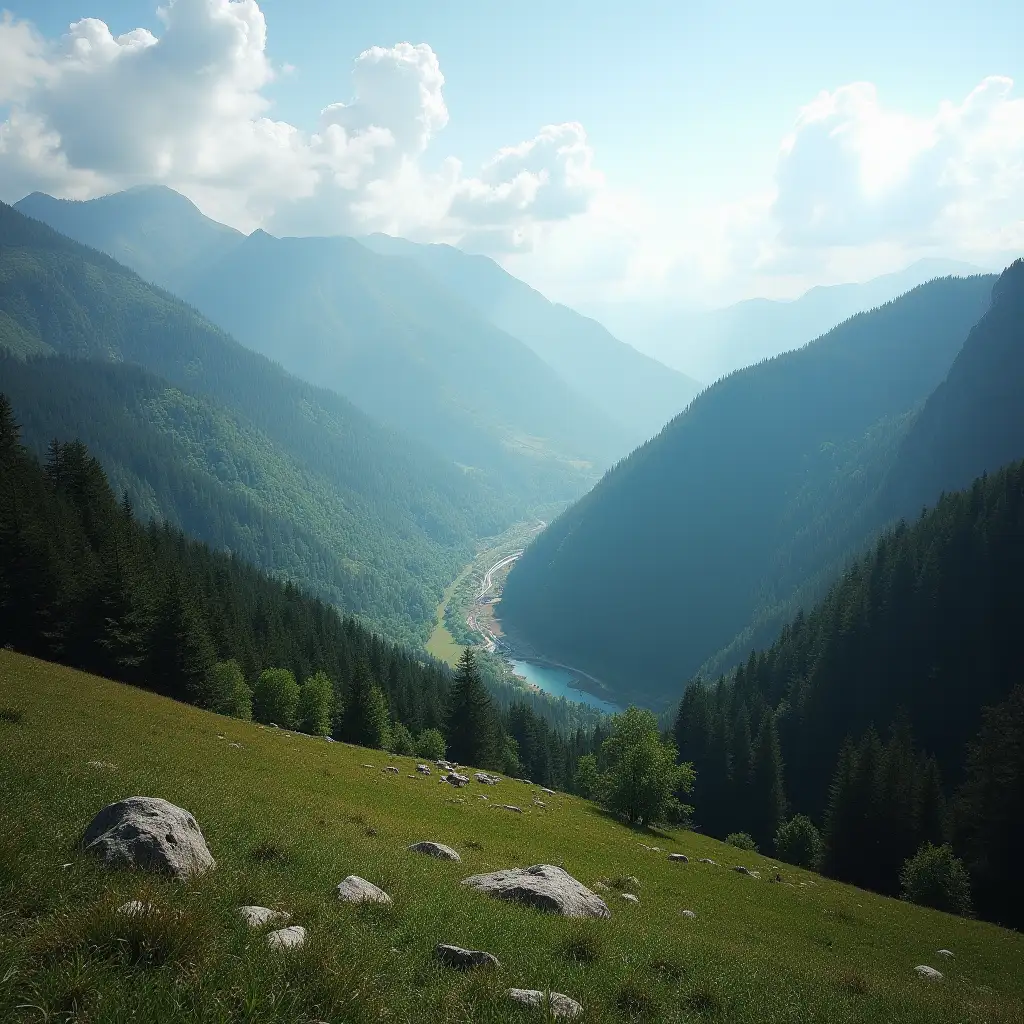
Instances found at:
x=472 y=727
x=365 y=720
x=741 y=764
x=316 y=704
x=929 y=804
x=767 y=792
x=180 y=654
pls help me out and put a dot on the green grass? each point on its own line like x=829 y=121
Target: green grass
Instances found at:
x=288 y=816
x=442 y=645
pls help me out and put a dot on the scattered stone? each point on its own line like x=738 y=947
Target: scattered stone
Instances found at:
x=557 y=1004
x=293 y=937
x=423 y=769
x=438 y=850
x=656 y=849
x=358 y=890
x=150 y=833
x=237 y=746
x=603 y=886
x=928 y=973
x=369 y=766
x=455 y=779
x=689 y=914
x=391 y=768
x=543 y=886
x=487 y=780
x=508 y=807
x=680 y=857
x=539 y=803
x=741 y=870
x=708 y=860
x=629 y=897
x=257 y=917
x=446 y=765
x=946 y=953
x=464 y=959
x=103 y=766
x=136 y=908
x=412 y=776
x=220 y=735
x=482 y=797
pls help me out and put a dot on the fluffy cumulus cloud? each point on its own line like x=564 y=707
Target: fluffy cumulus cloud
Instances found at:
x=93 y=112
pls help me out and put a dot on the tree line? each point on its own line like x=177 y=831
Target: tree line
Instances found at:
x=85 y=582
x=887 y=716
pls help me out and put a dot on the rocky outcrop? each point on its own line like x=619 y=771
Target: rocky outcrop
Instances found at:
x=358 y=890
x=438 y=850
x=556 y=1004
x=464 y=959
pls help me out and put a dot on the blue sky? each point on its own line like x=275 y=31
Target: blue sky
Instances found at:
x=684 y=107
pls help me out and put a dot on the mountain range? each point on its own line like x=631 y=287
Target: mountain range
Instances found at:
x=712 y=343
x=444 y=346
x=748 y=504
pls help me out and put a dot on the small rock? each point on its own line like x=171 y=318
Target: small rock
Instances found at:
x=508 y=807
x=369 y=766
x=257 y=917
x=680 y=857
x=446 y=765
x=237 y=746
x=550 y=792
x=136 y=908
x=630 y=897
x=928 y=972
x=741 y=870
x=423 y=769
x=482 y=797
x=456 y=780
x=945 y=953
x=557 y=1004
x=487 y=780
x=464 y=959
x=689 y=914
x=438 y=850
x=603 y=886
x=358 y=890
x=543 y=886
x=708 y=860
x=103 y=766
x=292 y=937
x=391 y=768
x=150 y=833
x=539 y=803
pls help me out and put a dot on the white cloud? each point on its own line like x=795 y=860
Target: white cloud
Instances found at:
x=860 y=186
x=91 y=113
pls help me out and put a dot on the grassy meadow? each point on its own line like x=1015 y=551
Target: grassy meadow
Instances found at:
x=287 y=817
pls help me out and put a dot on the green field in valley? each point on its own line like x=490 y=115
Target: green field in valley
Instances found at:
x=287 y=817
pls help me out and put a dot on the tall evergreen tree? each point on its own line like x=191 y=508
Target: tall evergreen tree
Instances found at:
x=365 y=719
x=472 y=722
x=767 y=801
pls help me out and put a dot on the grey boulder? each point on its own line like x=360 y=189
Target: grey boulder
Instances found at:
x=557 y=1004
x=543 y=886
x=358 y=890
x=438 y=850
x=148 y=833
x=464 y=959
x=292 y=937
x=257 y=917
x=929 y=973
x=680 y=857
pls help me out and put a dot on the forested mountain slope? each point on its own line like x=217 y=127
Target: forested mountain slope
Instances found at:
x=758 y=487
x=898 y=662
x=974 y=421
x=375 y=328
x=229 y=444
x=635 y=390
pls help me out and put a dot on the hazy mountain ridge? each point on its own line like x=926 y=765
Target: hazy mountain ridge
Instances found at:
x=632 y=388
x=740 y=501
x=235 y=432
x=376 y=328
x=713 y=343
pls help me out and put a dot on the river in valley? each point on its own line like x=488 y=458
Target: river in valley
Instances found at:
x=560 y=682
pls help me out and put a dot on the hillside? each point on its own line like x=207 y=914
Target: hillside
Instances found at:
x=974 y=421
x=712 y=343
x=287 y=817
x=225 y=442
x=764 y=485
x=375 y=328
x=629 y=387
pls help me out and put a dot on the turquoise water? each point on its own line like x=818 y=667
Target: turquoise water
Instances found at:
x=560 y=682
